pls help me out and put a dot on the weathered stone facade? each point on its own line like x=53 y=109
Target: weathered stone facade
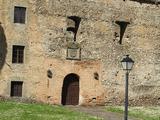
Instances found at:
x=46 y=38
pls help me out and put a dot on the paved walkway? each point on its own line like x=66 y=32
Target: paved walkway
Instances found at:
x=100 y=112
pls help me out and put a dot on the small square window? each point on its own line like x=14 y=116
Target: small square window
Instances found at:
x=18 y=54
x=19 y=14
x=16 y=88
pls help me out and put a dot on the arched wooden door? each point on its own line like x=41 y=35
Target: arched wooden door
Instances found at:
x=70 y=90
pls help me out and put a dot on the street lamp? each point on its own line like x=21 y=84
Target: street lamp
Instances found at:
x=127 y=64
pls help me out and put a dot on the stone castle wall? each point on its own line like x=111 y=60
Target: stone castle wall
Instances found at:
x=45 y=38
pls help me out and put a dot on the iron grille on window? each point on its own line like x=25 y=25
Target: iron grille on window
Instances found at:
x=19 y=14
x=16 y=88
x=18 y=54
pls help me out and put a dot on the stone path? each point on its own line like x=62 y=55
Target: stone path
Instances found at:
x=100 y=112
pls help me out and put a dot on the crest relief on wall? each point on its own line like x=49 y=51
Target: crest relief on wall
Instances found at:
x=73 y=51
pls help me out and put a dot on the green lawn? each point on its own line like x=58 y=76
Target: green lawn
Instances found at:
x=24 y=111
x=143 y=113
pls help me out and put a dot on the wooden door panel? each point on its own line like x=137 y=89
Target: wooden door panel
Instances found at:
x=70 y=91
x=73 y=94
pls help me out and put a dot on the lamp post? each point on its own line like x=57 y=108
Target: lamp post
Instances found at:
x=127 y=64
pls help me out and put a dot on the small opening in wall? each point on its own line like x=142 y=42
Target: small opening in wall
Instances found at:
x=96 y=76
x=76 y=19
x=74 y=29
x=49 y=73
x=123 y=25
x=94 y=98
x=49 y=97
x=148 y=1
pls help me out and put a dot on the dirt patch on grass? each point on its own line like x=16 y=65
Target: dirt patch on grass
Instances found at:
x=99 y=112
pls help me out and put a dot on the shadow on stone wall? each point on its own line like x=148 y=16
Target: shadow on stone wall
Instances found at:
x=3 y=47
x=148 y=1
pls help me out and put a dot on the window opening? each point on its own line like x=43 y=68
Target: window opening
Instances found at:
x=74 y=29
x=123 y=25
x=18 y=54
x=19 y=14
x=16 y=88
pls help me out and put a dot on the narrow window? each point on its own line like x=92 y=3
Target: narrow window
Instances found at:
x=96 y=76
x=123 y=25
x=18 y=54
x=74 y=28
x=19 y=14
x=16 y=88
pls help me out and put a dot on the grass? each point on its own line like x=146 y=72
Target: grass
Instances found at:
x=143 y=113
x=24 y=111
